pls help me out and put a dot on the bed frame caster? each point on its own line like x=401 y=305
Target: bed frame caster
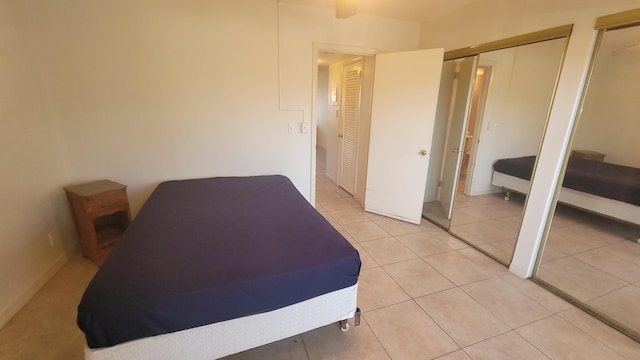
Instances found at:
x=344 y=324
x=507 y=195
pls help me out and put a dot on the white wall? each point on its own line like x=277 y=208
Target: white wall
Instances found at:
x=33 y=169
x=142 y=91
x=190 y=89
x=609 y=121
x=322 y=107
x=518 y=100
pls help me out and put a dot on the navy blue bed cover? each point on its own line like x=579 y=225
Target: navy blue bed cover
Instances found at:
x=208 y=250
x=603 y=179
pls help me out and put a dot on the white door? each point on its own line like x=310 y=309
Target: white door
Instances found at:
x=349 y=120
x=465 y=76
x=405 y=96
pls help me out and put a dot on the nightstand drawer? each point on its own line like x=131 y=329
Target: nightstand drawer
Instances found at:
x=588 y=155
x=107 y=203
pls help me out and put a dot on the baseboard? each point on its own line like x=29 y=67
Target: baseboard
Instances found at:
x=493 y=190
x=36 y=285
x=333 y=180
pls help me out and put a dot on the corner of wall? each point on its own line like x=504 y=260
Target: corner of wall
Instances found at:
x=16 y=305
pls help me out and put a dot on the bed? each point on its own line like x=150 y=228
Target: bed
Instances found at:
x=603 y=188
x=211 y=267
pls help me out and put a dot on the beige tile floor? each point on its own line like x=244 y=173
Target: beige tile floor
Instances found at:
x=489 y=222
x=593 y=259
x=424 y=295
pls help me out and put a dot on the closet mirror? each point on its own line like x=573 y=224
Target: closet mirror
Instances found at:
x=592 y=253
x=454 y=102
x=509 y=108
x=498 y=110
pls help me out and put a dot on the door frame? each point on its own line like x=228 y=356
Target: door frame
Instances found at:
x=459 y=138
x=477 y=129
x=316 y=48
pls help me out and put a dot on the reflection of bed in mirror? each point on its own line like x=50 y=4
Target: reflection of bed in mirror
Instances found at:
x=599 y=187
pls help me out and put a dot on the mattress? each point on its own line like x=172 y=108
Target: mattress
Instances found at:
x=607 y=180
x=209 y=250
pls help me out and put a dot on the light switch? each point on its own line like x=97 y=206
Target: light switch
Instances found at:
x=292 y=128
x=304 y=127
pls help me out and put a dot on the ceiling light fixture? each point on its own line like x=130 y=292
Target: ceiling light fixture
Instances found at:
x=346 y=8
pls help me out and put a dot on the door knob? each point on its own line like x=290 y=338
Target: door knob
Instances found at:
x=423 y=152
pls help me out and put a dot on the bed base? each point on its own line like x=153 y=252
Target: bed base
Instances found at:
x=232 y=336
x=617 y=210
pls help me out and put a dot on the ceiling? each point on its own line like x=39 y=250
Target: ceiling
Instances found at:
x=407 y=10
x=424 y=10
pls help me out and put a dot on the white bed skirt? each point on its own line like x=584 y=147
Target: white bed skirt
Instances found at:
x=236 y=335
x=596 y=204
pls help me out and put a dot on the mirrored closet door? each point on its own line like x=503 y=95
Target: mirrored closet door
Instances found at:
x=510 y=105
x=591 y=253
x=456 y=90
x=492 y=108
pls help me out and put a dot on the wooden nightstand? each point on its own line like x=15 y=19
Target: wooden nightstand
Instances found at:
x=101 y=213
x=588 y=155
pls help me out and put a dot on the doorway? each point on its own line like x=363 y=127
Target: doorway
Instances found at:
x=342 y=111
x=508 y=125
x=402 y=137
x=472 y=138
x=454 y=106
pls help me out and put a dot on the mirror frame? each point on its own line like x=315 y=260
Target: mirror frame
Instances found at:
x=603 y=24
x=526 y=39
x=515 y=41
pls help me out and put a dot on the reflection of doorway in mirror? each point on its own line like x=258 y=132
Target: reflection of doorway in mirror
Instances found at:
x=478 y=101
x=509 y=124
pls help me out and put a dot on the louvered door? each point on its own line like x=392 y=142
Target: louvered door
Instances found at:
x=348 y=136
